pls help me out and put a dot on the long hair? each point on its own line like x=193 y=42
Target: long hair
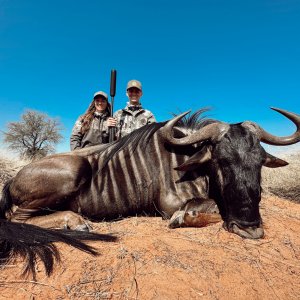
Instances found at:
x=87 y=118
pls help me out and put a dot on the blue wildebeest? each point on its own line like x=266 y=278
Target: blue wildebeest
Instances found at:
x=174 y=170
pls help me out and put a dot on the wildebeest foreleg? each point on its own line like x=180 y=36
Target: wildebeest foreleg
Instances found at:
x=196 y=213
x=60 y=219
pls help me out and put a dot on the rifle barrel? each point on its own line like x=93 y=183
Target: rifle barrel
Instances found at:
x=113 y=82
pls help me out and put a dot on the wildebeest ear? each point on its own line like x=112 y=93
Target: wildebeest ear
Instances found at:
x=195 y=160
x=274 y=162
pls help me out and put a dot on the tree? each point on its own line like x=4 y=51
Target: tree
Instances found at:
x=34 y=136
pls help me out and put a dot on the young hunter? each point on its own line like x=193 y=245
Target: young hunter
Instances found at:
x=133 y=116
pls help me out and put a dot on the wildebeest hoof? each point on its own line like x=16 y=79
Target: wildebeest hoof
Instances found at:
x=83 y=227
x=195 y=218
x=177 y=219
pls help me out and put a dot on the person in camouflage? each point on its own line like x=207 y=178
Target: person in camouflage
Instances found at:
x=133 y=116
x=92 y=127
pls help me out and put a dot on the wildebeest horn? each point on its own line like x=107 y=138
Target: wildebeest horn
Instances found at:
x=277 y=140
x=210 y=132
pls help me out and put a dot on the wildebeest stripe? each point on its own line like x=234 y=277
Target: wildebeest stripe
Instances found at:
x=130 y=172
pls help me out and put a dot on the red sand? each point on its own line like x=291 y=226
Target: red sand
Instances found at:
x=151 y=261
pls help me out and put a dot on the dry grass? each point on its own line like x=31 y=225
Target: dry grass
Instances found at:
x=284 y=182
x=9 y=167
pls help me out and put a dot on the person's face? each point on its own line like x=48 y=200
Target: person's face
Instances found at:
x=134 y=95
x=100 y=104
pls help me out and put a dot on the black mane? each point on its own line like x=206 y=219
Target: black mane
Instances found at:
x=195 y=121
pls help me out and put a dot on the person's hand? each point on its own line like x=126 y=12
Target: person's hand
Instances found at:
x=111 y=122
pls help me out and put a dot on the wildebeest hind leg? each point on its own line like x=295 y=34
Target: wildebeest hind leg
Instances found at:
x=60 y=219
x=196 y=213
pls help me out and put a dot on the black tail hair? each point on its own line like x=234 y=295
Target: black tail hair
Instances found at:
x=32 y=242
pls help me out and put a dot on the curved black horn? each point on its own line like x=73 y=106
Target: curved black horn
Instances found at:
x=212 y=131
x=278 y=140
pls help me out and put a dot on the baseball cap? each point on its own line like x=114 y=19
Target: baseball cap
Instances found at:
x=100 y=93
x=134 y=83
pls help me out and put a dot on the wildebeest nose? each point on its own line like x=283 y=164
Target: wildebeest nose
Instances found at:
x=249 y=232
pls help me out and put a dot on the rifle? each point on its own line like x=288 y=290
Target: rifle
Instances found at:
x=113 y=80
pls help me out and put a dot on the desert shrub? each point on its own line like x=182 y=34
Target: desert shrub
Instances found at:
x=34 y=136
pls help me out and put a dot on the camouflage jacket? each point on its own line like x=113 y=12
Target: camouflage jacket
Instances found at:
x=131 y=118
x=96 y=134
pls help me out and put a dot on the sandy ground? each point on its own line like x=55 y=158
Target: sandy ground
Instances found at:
x=151 y=261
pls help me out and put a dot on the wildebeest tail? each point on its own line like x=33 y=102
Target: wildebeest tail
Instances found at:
x=33 y=243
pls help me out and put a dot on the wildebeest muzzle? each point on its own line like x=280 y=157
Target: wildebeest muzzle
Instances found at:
x=248 y=230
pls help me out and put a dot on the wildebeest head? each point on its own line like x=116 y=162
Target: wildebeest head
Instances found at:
x=234 y=158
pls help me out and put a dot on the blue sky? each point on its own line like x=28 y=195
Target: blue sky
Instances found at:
x=238 y=57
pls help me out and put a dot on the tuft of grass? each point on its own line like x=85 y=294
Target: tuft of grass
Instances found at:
x=9 y=167
x=284 y=182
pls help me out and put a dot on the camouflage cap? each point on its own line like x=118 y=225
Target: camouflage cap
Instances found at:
x=100 y=93
x=134 y=83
